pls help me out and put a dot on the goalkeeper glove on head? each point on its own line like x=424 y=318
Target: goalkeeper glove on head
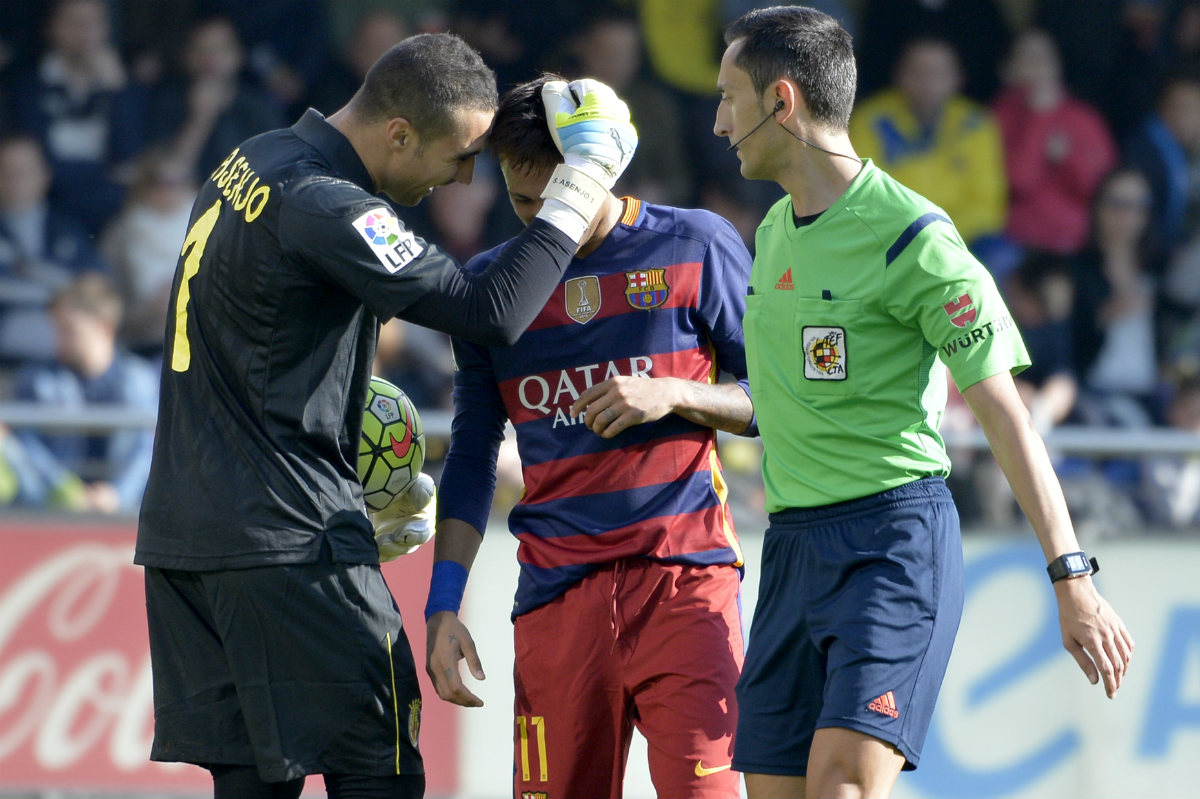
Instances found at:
x=591 y=127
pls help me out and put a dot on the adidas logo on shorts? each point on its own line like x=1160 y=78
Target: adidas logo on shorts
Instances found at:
x=885 y=704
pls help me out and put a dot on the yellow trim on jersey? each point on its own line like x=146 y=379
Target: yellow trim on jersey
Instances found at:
x=722 y=490
x=633 y=206
x=395 y=701
x=718 y=479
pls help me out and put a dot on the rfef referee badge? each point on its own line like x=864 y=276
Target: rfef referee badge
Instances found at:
x=393 y=244
x=581 y=295
x=414 y=721
x=647 y=289
x=824 y=352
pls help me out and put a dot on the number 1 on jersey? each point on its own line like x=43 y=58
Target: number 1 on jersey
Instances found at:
x=197 y=238
x=539 y=723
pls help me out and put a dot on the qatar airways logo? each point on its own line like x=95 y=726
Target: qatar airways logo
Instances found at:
x=554 y=395
x=75 y=683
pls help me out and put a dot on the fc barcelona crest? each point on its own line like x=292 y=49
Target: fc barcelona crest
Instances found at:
x=582 y=298
x=647 y=289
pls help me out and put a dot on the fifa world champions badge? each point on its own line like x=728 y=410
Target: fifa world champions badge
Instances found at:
x=825 y=355
x=582 y=298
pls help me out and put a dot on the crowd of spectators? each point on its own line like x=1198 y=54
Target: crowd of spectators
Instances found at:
x=1062 y=137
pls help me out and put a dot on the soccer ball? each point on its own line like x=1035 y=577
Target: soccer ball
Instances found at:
x=391 y=450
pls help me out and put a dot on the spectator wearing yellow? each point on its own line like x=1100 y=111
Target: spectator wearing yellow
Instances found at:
x=926 y=134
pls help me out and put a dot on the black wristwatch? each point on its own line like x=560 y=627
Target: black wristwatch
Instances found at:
x=1072 y=564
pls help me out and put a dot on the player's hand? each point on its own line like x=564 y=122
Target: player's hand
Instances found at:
x=591 y=127
x=619 y=403
x=407 y=521
x=447 y=641
x=1093 y=633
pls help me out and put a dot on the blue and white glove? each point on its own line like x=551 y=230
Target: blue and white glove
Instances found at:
x=407 y=521
x=591 y=127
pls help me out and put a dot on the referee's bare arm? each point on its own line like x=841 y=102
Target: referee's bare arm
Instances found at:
x=1091 y=630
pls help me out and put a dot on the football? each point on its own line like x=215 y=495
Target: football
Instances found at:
x=391 y=451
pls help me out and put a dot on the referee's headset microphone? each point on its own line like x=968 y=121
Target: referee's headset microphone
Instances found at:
x=779 y=104
x=778 y=107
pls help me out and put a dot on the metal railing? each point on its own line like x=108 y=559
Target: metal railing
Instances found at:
x=1068 y=439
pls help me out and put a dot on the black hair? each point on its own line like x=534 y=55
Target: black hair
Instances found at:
x=426 y=79
x=520 y=136
x=804 y=45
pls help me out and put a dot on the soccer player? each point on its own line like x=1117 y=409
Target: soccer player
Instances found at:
x=277 y=650
x=626 y=611
x=862 y=294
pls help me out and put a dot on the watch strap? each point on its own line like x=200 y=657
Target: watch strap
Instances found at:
x=1072 y=564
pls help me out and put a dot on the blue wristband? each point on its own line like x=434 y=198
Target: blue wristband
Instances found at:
x=446 y=587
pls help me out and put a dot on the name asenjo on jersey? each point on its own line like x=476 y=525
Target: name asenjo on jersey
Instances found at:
x=239 y=186
x=536 y=394
x=978 y=335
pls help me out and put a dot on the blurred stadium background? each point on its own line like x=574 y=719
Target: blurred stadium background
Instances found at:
x=180 y=80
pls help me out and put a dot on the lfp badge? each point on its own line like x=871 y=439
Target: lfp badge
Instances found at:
x=647 y=289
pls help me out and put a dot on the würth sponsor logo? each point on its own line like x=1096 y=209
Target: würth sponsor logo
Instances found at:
x=785 y=282
x=960 y=311
x=978 y=335
x=885 y=704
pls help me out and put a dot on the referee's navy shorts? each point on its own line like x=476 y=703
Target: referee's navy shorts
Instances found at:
x=296 y=669
x=858 y=606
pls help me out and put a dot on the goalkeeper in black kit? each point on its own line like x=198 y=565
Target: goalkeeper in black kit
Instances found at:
x=276 y=647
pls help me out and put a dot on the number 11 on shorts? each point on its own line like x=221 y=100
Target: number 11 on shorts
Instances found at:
x=539 y=724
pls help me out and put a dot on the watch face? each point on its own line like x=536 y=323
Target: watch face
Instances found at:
x=1076 y=563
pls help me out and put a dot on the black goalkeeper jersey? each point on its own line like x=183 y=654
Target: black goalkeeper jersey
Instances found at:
x=288 y=265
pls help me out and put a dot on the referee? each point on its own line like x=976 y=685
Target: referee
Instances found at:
x=862 y=294
x=277 y=649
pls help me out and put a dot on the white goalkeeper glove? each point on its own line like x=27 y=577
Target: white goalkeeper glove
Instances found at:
x=407 y=521
x=590 y=124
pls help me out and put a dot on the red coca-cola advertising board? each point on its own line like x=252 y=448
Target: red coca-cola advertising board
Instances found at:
x=76 y=703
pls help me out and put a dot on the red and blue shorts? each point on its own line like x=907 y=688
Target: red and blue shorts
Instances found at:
x=637 y=644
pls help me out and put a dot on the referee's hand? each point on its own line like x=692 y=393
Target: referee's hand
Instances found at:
x=1093 y=633
x=447 y=641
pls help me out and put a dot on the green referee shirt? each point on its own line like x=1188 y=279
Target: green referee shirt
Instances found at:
x=850 y=323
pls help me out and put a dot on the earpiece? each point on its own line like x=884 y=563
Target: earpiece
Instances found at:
x=779 y=104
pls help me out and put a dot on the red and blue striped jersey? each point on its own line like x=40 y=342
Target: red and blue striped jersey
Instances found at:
x=663 y=295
